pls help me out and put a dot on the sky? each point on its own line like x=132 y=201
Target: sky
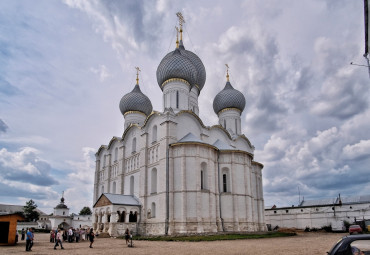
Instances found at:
x=64 y=66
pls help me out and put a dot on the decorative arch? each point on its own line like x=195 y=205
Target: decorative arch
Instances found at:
x=114 y=188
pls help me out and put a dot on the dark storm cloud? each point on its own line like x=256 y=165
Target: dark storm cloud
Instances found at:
x=3 y=126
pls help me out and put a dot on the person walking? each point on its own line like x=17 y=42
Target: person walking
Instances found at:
x=58 y=240
x=29 y=239
x=23 y=233
x=127 y=235
x=91 y=237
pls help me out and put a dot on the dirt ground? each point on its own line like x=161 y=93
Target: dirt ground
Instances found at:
x=304 y=243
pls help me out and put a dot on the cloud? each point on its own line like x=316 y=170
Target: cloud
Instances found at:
x=359 y=150
x=102 y=71
x=25 y=166
x=3 y=126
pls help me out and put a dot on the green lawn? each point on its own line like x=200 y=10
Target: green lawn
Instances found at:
x=200 y=238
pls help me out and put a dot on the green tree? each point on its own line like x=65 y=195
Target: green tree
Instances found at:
x=30 y=212
x=85 y=211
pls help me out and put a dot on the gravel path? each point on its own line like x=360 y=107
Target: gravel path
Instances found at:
x=303 y=243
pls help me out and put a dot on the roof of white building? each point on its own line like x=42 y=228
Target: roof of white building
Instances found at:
x=118 y=199
x=336 y=200
x=222 y=146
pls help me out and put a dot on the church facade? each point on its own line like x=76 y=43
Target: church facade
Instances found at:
x=169 y=173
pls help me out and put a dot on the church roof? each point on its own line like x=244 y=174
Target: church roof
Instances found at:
x=118 y=199
x=222 y=146
x=190 y=138
x=228 y=98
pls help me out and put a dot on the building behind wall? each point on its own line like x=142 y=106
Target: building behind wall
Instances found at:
x=320 y=213
x=176 y=175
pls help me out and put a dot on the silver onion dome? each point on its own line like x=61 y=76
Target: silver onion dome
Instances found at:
x=135 y=101
x=182 y=64
x=228 y=98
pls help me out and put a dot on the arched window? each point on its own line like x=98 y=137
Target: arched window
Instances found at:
x=177 y=99
x=236 y=126
x=224 y=123
x=102 y=189
x=134 y=145
x=203 y=176
x=116 y=154
x=154 y=135
x=132 y=187
x=153 y=210
x=226 y=180
x=114 y=188
x=154 y=181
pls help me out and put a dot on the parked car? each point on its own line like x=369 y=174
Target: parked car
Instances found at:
x=355 y=229
x=352 y=245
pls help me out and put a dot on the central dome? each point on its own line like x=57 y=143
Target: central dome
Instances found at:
x=182 y=64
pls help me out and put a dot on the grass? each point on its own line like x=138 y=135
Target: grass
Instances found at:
x=200 y=238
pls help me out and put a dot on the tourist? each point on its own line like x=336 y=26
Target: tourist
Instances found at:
x=52 y=236
x=23 y=233
x=58 y=240
x=77 y=235
x=83 y=234
x=127 y=235
x=91 y=237
x=29 y=239
x=64 y=235
x=70 y=235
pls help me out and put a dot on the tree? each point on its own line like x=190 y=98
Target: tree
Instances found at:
x=85 y=211
x=30 y=212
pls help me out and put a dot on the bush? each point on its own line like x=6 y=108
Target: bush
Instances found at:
x=327 y=228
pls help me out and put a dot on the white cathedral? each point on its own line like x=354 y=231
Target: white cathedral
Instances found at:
x=169 y=173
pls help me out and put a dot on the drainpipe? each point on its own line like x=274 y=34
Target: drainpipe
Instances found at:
x=167 y=189
x=219 y=190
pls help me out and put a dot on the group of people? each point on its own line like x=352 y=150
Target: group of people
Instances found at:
x=71 y=235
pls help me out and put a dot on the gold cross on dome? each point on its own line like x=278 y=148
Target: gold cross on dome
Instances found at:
x=181 y=19
x=137 y=74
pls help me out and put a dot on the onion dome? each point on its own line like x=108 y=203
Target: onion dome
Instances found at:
x=182 y=64
x=228 y=98
x=135 y=101
x=61 y=205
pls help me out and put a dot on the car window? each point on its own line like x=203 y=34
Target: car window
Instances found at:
x=362 y=245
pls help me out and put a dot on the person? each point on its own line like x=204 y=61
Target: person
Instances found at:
x=29 y=239
x=91 y=237
x=58 y=240
x=16 y=236
x=70 y=235
x=77 y=235
x=23 y=233
x=127 y=235
x=52 y=236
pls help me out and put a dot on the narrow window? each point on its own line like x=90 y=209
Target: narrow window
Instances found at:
x=153 y=210
x=134 y=145
x=224 y=182
x=102 y=189
x=201 y=179
x=154 y=181
x=104 y=161
x=225 y=124
x=116 y=154
x=177 y=99
x=132 y=185
x=154 y=135
x=236 y=126
x=114 y=188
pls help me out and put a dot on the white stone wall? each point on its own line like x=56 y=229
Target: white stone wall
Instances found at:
x=315 y=217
